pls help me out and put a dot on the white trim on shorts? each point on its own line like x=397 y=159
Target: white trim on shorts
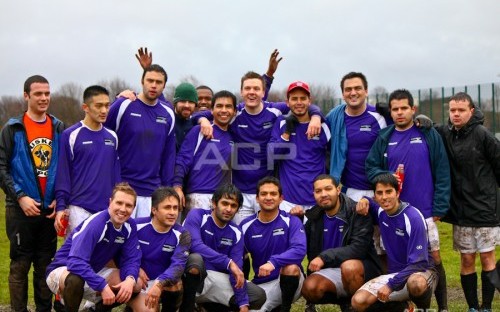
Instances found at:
x=334 y=275
x=77 y=215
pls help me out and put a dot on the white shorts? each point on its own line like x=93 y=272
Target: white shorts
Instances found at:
x=468 y=239
x=216 y=288
x=142 y=207
x=76 y=216
x=273 y=293
x=287 y=206
x=334 y=275
x=356 y=194
x=433 y=234
x=373 y=285
x=198 y=200
x=54 y=278
x=249 y=207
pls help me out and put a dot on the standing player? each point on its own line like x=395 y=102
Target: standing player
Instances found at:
x=301 y=159
x=28 y=160
x=145 y=129
x=474 y=155
x=165 y=248
x=205 y=95
x=277 y=245
x=203 y=164
x=404 y=233
x=251 y=130
x=80 y=192
x=339 y=246
x=427 y=172
x=220 y=242
x=79 y=267
x=355 y=126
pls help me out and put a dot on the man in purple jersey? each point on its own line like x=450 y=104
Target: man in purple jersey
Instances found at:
x=277 y=245
x=355 y=126
x=426 y=184
x=146 y=125
x=300 y=159
x=205 y=95
x=339 y=246
x=204 y=164
x=220 y=242
x=165 y=249
x=80 y=192
x=411 y=273
x=79 y=267
x=251 y=130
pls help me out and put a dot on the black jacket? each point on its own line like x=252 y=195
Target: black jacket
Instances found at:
x=357 y=242
x=474 y=155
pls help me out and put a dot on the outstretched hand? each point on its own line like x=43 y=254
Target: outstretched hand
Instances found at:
x=145 y=59
x=273 y=63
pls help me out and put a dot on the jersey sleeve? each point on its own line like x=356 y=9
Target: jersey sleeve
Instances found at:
x=63 y=175
x=185 y=156
x=168 y=156
x=236 y=255
x=130 y=256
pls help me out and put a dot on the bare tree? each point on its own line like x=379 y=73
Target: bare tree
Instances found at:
x=67 y=109
x=70 y=90
x=115 y=86
x=379 y=94
x=323 y=95
x=11 y=106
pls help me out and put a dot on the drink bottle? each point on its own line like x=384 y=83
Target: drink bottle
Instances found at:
x=401 y=173
x=64 y=223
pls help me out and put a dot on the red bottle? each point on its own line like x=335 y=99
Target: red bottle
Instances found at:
x=64 y=223
x=401 y=173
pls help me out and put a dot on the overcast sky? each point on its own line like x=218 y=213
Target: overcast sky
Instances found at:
x=412 y=44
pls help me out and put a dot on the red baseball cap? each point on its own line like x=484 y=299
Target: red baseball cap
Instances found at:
x=298 y=84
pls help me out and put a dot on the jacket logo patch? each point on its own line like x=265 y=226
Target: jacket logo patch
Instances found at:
x=168 y=248
x=279 y=231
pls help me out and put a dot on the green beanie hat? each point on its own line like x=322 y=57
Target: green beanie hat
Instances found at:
x=186 y=92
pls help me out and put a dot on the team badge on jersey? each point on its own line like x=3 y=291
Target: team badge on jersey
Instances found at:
x=41 y=151
x=109 y=142
x=367 y=128
x=279 y=231
x=168 y=248
x=417 y=140
x=226 y=241
x=161 y=119
x=400 y=232
x=120 y=240
x=267 y=125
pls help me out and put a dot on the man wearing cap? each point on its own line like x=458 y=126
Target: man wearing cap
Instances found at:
x=145 y=129
x=185 y=101
x=202 y=164
x=300 y=159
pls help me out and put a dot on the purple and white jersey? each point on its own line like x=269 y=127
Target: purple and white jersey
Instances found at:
x=147 y=143
x=300 y=160
x=88 y=168
x=93 y=244
x=333 y=231
x=218 y=246
x=204 y=164
x=361 y=132
x=280 y=242
x=406 y=243
x=164 y=255
x=410 y=148
x=252 y=133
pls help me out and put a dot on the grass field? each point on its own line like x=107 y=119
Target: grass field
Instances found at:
x=451 y=260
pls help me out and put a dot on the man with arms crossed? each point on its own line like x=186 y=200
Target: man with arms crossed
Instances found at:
x=474 y=155
x=277 y=245
x=339 y=246
x=29 y=147
x=403 y=230
x=88 y=166
x=79 y=267
x=220 y=242
x=165 y=249
x=145 y=129
x=426 y=184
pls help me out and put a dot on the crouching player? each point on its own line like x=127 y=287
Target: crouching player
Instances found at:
x=340 y=247
x=78 y=270
x=220 y=243
x=165 y=249
x=403 y=229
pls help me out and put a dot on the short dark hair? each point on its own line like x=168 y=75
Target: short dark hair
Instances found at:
x=203 y=87
x=269 y=180
x=325 y=176
x=386 y=179
x=253 y=75
x=229 y=191
x=401 y=94
x=463 y=97
x=156 y=68
x=92 y=91
x=33 y=79
x=352 y=75
x=224 y=94
x=162 y=193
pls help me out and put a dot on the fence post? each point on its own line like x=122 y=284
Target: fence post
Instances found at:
x=479 y=95
x=493 y=105
x=430 y=103
x=442 y=105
